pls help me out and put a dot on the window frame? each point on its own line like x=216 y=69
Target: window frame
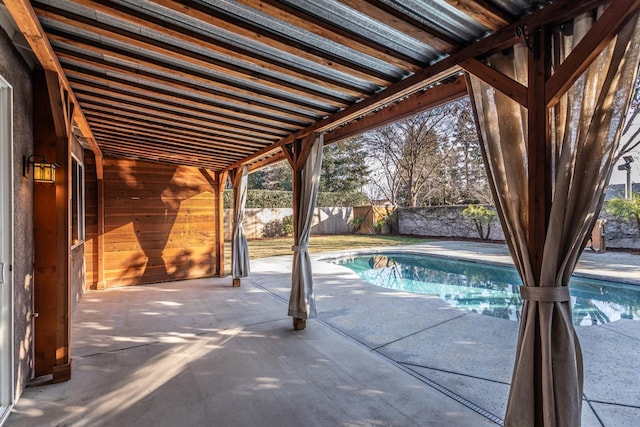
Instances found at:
x=78 y=226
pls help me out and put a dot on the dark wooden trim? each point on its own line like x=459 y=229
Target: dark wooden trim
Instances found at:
x=61 y=373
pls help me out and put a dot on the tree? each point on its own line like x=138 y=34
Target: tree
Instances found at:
x=627 y=210
x=472 y=176
x=344 y=167
x=275 y=177
x=407 y=156
x=482 y=217
x=430 y=158
x=344 y=170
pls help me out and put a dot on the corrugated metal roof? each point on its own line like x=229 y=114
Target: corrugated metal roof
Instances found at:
x=211 y=82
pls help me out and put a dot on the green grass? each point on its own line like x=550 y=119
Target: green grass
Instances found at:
x=261 y=248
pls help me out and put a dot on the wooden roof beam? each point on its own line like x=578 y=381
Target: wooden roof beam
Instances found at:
x=89 y=100
x=592 y=44
x=243 y=29
x=416 y=103
x=127 y=15
x=556 y=13
x=103 y=54
x=168 y=133
x=329 y=31
x=177 y=126
x=28 y=24
x=284 y=109
x=116 y=141
x=484 y=12
x=178 y=103
x=386 y=14
x=128 y=102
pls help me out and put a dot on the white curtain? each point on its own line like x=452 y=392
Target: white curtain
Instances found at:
x=546 y=387
x=302 y=302
x=239 y=247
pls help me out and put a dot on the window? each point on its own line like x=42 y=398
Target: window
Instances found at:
x=77 y=202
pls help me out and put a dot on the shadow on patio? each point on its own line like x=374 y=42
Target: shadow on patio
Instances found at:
x=200 y=352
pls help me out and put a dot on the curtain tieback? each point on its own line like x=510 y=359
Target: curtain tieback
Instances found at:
x=545 y=293
x=299 y=248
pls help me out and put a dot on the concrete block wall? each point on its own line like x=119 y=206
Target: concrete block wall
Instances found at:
x=441 y=221
x=447 y=221
x=621 y=234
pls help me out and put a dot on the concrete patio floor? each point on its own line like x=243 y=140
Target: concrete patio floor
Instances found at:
x=200 y=352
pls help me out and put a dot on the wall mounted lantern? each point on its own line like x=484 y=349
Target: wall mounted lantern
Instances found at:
x=43 y=171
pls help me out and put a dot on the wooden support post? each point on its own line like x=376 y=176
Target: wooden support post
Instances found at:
x=62 y=368
x=299 y=324
x=538 y=150
x=221 y=179
x=101 y=284
x=52 y=232
x=539 y=173
x=297 y=154
x=235 y=175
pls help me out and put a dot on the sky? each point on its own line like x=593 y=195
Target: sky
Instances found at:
x=620 y=177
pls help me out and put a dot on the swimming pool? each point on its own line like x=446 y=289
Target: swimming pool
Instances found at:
x=489 y=289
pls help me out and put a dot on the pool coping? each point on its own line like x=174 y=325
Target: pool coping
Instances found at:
x=472 y=252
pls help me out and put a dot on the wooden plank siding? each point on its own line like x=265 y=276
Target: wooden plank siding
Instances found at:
x=159 y=223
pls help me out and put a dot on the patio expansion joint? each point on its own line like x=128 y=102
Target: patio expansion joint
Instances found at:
x=454 y=373
x=593 y=410
x=419 y=331
x=602 y=402
x=610 y=329
x=461 y=400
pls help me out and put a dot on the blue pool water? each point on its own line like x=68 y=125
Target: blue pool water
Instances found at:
x=488 y=289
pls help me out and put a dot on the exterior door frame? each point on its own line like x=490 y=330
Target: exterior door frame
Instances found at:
x=7 y=397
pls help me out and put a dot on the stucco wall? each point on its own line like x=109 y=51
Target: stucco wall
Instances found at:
x=18 y=74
